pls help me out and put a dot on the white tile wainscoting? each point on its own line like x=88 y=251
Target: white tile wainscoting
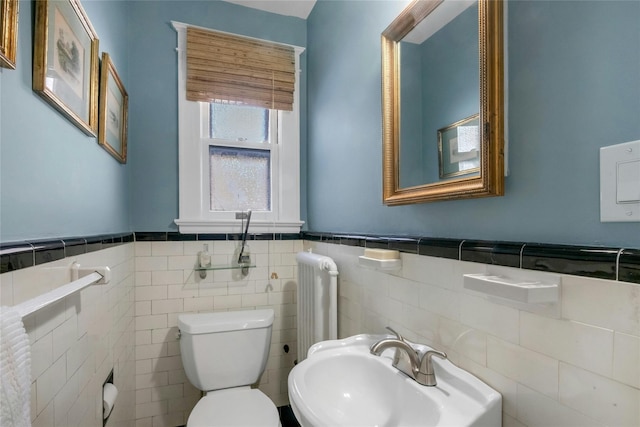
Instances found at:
x=77 y=341
x=166 y=286
x=581 y=368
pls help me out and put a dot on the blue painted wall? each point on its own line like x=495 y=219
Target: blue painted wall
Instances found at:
x=574 y=87
x=154 y=90
x=54 y=180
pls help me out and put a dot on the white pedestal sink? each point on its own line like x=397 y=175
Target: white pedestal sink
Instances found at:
x=342 y=384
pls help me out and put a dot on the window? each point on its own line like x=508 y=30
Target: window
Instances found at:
x=234 y=157
x=240 y=156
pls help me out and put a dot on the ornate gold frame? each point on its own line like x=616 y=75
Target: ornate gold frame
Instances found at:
x=88 y=125
x=108 y=71
x=8 y=33
x=490 y=182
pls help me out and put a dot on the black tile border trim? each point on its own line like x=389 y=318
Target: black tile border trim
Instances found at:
x=18 y=255
x=621 y=264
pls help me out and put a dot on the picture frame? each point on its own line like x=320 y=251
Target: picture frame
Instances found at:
x=459 y=148
x=113 y=111
x=8 y=33
x=65 y=61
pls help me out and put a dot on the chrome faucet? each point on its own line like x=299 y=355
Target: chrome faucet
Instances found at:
x=420 y=366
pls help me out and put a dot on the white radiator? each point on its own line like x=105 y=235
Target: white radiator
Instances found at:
x=317 y=301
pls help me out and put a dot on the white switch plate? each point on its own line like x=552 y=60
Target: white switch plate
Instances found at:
x=620 y=182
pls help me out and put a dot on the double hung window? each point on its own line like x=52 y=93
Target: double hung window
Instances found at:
x=236 y=153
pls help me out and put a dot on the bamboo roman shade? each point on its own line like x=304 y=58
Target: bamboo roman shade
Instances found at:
x=227 y=68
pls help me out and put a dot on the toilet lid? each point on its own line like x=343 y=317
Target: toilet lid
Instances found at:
x=234 y=407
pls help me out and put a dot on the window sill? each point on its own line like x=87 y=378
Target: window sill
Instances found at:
x=200 y=226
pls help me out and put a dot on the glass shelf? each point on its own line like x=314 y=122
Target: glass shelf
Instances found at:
x=225 y=267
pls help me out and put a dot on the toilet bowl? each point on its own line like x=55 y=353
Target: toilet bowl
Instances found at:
x=223 y=354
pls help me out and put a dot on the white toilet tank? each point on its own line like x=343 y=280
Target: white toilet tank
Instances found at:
x=225 y=349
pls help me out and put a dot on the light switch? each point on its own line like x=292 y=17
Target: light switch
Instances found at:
x=620 y=182
x=628 y=182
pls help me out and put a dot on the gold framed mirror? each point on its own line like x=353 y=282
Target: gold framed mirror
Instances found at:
x=472 y=152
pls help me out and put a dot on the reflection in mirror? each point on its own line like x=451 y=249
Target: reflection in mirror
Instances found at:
x=439 y=86
x=442 y=102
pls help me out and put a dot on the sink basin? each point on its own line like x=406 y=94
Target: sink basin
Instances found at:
x=342 y=384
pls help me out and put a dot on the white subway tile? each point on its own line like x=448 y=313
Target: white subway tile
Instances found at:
x=151 y=351
x=77 y=355
x=440 y=301
x=227 y=302
x=403 y=290
x=182 y=262
x=142 y=308
x=144 y=422
x=582 y=345
x=167 y=306
x=605 y=303
x=155 y=379
x=432 y=270
x=45 y=417
x=167 y=248
x=527 y=367
x=143 y=249
x=600 y=398
x=198 y=304
x=49 y=317
x=421 y=322
x=169 y=277
x=150 y=409
x=509 y=421
x=149 y=293
x=537 y=410
x=50 y=382
x=166 y=392
x=144 y=366
x=626 y=359
x=181 y=291
x=143 y=337
x=64 y=400
x=164 y=335
x=463 y=339
x=143 y=278
x=41 y=355
x=495 y=319
x=255 y=300
x=64 y=336
x=143 y=396
x=164 y=364
x=152 y=263
x=156 y=321
x=170 y=419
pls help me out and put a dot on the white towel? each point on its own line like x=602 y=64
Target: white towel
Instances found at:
x=15 y=371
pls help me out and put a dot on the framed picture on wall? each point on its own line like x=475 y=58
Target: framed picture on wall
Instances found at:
x=112 y=135
x=459 y=148
x=8 y=33
x=65 y=61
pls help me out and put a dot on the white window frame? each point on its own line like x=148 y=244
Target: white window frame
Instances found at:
x=195 y=215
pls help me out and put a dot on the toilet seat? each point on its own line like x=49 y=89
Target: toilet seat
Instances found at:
x=242 y=406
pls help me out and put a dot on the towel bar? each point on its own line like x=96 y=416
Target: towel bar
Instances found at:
x=82 y=277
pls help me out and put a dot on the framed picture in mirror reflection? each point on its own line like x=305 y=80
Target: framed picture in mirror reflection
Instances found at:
x=459 y=148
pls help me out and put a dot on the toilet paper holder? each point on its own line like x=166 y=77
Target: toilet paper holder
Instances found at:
x=109 y=394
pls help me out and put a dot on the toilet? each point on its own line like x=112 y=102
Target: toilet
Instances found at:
x=223 y=354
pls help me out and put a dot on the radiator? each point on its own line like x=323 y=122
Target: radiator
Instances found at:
x=317 y=301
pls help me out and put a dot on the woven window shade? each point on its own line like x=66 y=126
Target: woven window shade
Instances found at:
x=227 y=68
